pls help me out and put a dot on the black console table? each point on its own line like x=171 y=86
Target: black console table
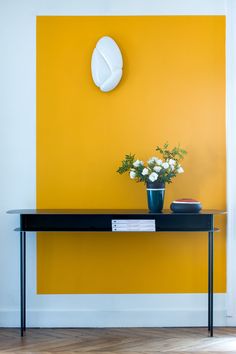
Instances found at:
x=73 y=220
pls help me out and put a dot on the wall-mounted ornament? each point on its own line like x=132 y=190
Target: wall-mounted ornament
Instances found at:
x=106 y=64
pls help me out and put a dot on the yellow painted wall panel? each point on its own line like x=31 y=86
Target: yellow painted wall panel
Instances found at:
x=173 y=89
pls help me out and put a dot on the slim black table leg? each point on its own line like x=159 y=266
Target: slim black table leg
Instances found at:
x=24 y=240
x=23 y=281
x=210 y=281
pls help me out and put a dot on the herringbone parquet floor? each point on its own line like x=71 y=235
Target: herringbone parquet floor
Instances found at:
x=118 y=341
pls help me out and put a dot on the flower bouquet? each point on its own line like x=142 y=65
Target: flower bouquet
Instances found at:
x=155 y=173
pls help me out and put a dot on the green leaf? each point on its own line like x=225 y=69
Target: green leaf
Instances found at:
x=126 y=164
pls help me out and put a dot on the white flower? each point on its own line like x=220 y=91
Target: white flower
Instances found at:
x=145 y=171
x=180 y=170
x=165 y=165
x=172 y=167
x=137 y=163
x=132 y=174
x=172 y=162
x=157 y=168
x=153 y=176
x=159 y=162
x=153 y=160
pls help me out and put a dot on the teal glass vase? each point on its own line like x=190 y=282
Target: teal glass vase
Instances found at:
x=155 y=196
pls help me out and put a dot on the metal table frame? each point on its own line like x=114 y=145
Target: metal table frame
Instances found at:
x=34 y=220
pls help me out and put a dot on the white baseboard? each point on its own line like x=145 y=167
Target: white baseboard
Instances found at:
x=176 y=310
x=112 y=318
x=91 y=319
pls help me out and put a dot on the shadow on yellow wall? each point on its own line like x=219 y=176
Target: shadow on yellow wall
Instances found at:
x=173 y=89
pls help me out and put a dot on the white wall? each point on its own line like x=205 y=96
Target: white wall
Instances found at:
x=17 y=178
x=231 y=158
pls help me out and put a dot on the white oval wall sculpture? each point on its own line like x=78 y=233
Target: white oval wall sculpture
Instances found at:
x=106 y=64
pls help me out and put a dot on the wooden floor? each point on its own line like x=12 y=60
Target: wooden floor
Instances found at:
x=125 y=341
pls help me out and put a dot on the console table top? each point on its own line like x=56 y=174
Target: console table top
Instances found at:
x=108 y=212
